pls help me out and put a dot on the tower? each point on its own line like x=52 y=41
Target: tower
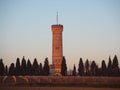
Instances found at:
x=57 y=49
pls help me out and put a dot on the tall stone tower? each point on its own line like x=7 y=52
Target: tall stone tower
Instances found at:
x=57 y=49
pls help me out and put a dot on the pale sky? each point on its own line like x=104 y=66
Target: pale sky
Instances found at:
x=91 y=29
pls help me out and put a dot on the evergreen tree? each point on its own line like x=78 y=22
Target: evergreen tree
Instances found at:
x=115 y=67
x=12 y=69
x=23 y=66
x=103 y=68
x=81 y=68
x=18 y=70
x=93 y=68
x=63 y=67
x=115 y=62
x=35 y=67
x=87 y=67
x=74 y=71
x=46 y=68
x=109 y=68
x=2 y=68
x=40 y=69
x=6 y=70
x=98 y=71
x=29 y=68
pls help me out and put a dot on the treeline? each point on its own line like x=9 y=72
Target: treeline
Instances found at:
x=25 y=68
x=89 y=68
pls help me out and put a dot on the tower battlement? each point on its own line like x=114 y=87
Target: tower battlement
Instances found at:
x=58 y=28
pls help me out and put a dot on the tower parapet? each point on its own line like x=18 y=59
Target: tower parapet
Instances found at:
x=57 y=28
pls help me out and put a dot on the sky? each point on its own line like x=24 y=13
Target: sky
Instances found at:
x=91 y=29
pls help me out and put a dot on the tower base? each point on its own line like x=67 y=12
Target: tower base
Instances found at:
x=54 y=71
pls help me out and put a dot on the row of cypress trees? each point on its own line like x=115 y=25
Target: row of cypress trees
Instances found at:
x=25 y=68
x=84 y=69
x=91 y=68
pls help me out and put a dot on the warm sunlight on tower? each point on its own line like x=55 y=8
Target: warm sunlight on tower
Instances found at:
x=57 y=49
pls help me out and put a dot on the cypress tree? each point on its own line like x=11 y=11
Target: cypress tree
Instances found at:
x=6 y=70
x=2 y=68
x=103 y=68
x=35 y=67
x=109 y=68
x=12 y=69
x=115 y=62
x=63 y=67
x=115 y=67
x=74 y=71
x=46 y=68
x=81 y=68
x=87 y=67
x=29 y=68
x=17 y=69
x=93 y=68
x=23 y=66
x=40 y=69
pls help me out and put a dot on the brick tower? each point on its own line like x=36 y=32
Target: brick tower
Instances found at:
x=57 y=49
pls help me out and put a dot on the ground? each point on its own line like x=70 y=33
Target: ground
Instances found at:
x=56 y=88
x=59 y=83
